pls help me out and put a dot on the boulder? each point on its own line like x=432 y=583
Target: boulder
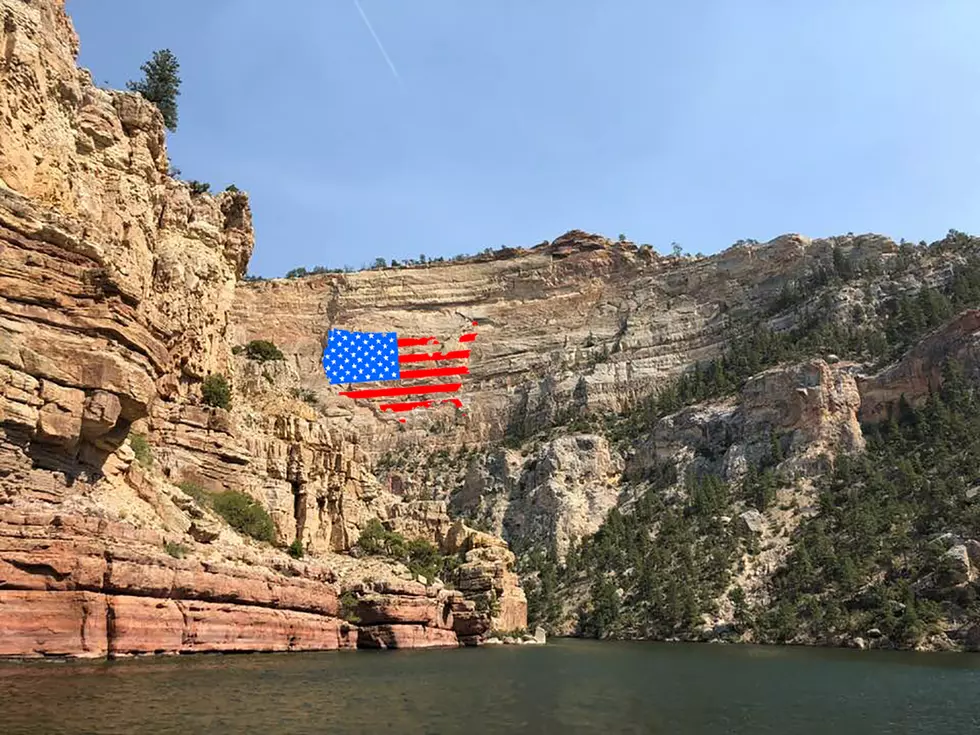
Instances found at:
x=752 y=521
x=204 y=532
x=101 y=411
x=956 y=566
x=973 y=553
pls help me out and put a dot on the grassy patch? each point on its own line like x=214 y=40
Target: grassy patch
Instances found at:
x=201 y=496
x=176 y=550
x=141 y=448
x=244 y=514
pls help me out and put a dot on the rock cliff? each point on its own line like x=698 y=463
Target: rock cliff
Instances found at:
x=655 y=437
x=600 y=366
x=116 y=283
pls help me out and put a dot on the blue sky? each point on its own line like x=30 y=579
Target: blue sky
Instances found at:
x=513 y=121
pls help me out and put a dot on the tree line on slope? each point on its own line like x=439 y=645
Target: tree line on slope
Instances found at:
x=903 y=319
x=653 y=572
x=873 y=559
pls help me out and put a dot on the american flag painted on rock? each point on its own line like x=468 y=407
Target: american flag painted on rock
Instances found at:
x=427 y=372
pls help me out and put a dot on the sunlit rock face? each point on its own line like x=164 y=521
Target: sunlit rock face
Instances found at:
x=116 y=284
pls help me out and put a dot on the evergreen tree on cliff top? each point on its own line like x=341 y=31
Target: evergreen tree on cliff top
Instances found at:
x=160 y=85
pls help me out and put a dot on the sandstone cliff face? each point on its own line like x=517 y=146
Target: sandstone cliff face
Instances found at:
x=582 y=324
x=115 y=288
x=809 y=410
x=921 y=369
x=120 y=292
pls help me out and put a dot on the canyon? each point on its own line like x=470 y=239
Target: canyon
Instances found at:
x=122 y=290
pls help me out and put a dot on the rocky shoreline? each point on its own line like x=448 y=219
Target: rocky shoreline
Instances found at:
x=539 y=638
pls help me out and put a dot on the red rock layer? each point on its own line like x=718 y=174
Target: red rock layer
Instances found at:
x=88 y=625
x=84 y=587
x=400 y=614
x=406 y=636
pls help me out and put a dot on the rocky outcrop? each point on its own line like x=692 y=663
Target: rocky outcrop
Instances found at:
x=559 y=492
x=920 y=371
x=404 y=614
x=580 y=323
x=799 y=416
x=82 y=586
x=116 y=282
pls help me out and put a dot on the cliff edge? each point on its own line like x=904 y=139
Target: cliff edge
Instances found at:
x=116 y=282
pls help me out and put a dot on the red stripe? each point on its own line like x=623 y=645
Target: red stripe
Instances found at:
x=406 y=391
x=408 y=406
x=456 y=355
x=434 y=372
x=416 y=341
x=468 y=337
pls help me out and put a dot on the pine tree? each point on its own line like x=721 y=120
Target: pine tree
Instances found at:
x=160 y=85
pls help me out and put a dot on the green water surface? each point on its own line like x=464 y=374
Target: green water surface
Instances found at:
x=564 y=687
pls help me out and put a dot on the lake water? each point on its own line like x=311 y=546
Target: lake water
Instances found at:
x=567 y=686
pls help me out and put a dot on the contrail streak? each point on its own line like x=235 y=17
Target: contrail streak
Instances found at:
x=378 y=41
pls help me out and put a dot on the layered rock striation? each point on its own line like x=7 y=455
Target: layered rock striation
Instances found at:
x=116 y=282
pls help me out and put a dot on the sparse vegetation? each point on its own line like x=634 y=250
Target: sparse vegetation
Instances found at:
x=244 y=514
x=160 y=85
x=216 y=392
x=141 y=448
x=296 y=549
x=420 y=556
x=199 y=187
x=348 y=608
x=176 y=550
x=201 y=496
x=306 y=395
x=263 y=350
x=232 y=188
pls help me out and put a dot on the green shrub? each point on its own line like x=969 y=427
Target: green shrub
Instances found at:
x=419 y=555
x=263 y=350
x=199 y=187
x=305 y=395
x=177 y=551
x=201 y=496
x=348 y=607
x=377 y=540
x=296 y=549
x=244 y=514
x=232 y=188
x=141 y=448
x=238 y=349
x=216 y=392
x=424 y=558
